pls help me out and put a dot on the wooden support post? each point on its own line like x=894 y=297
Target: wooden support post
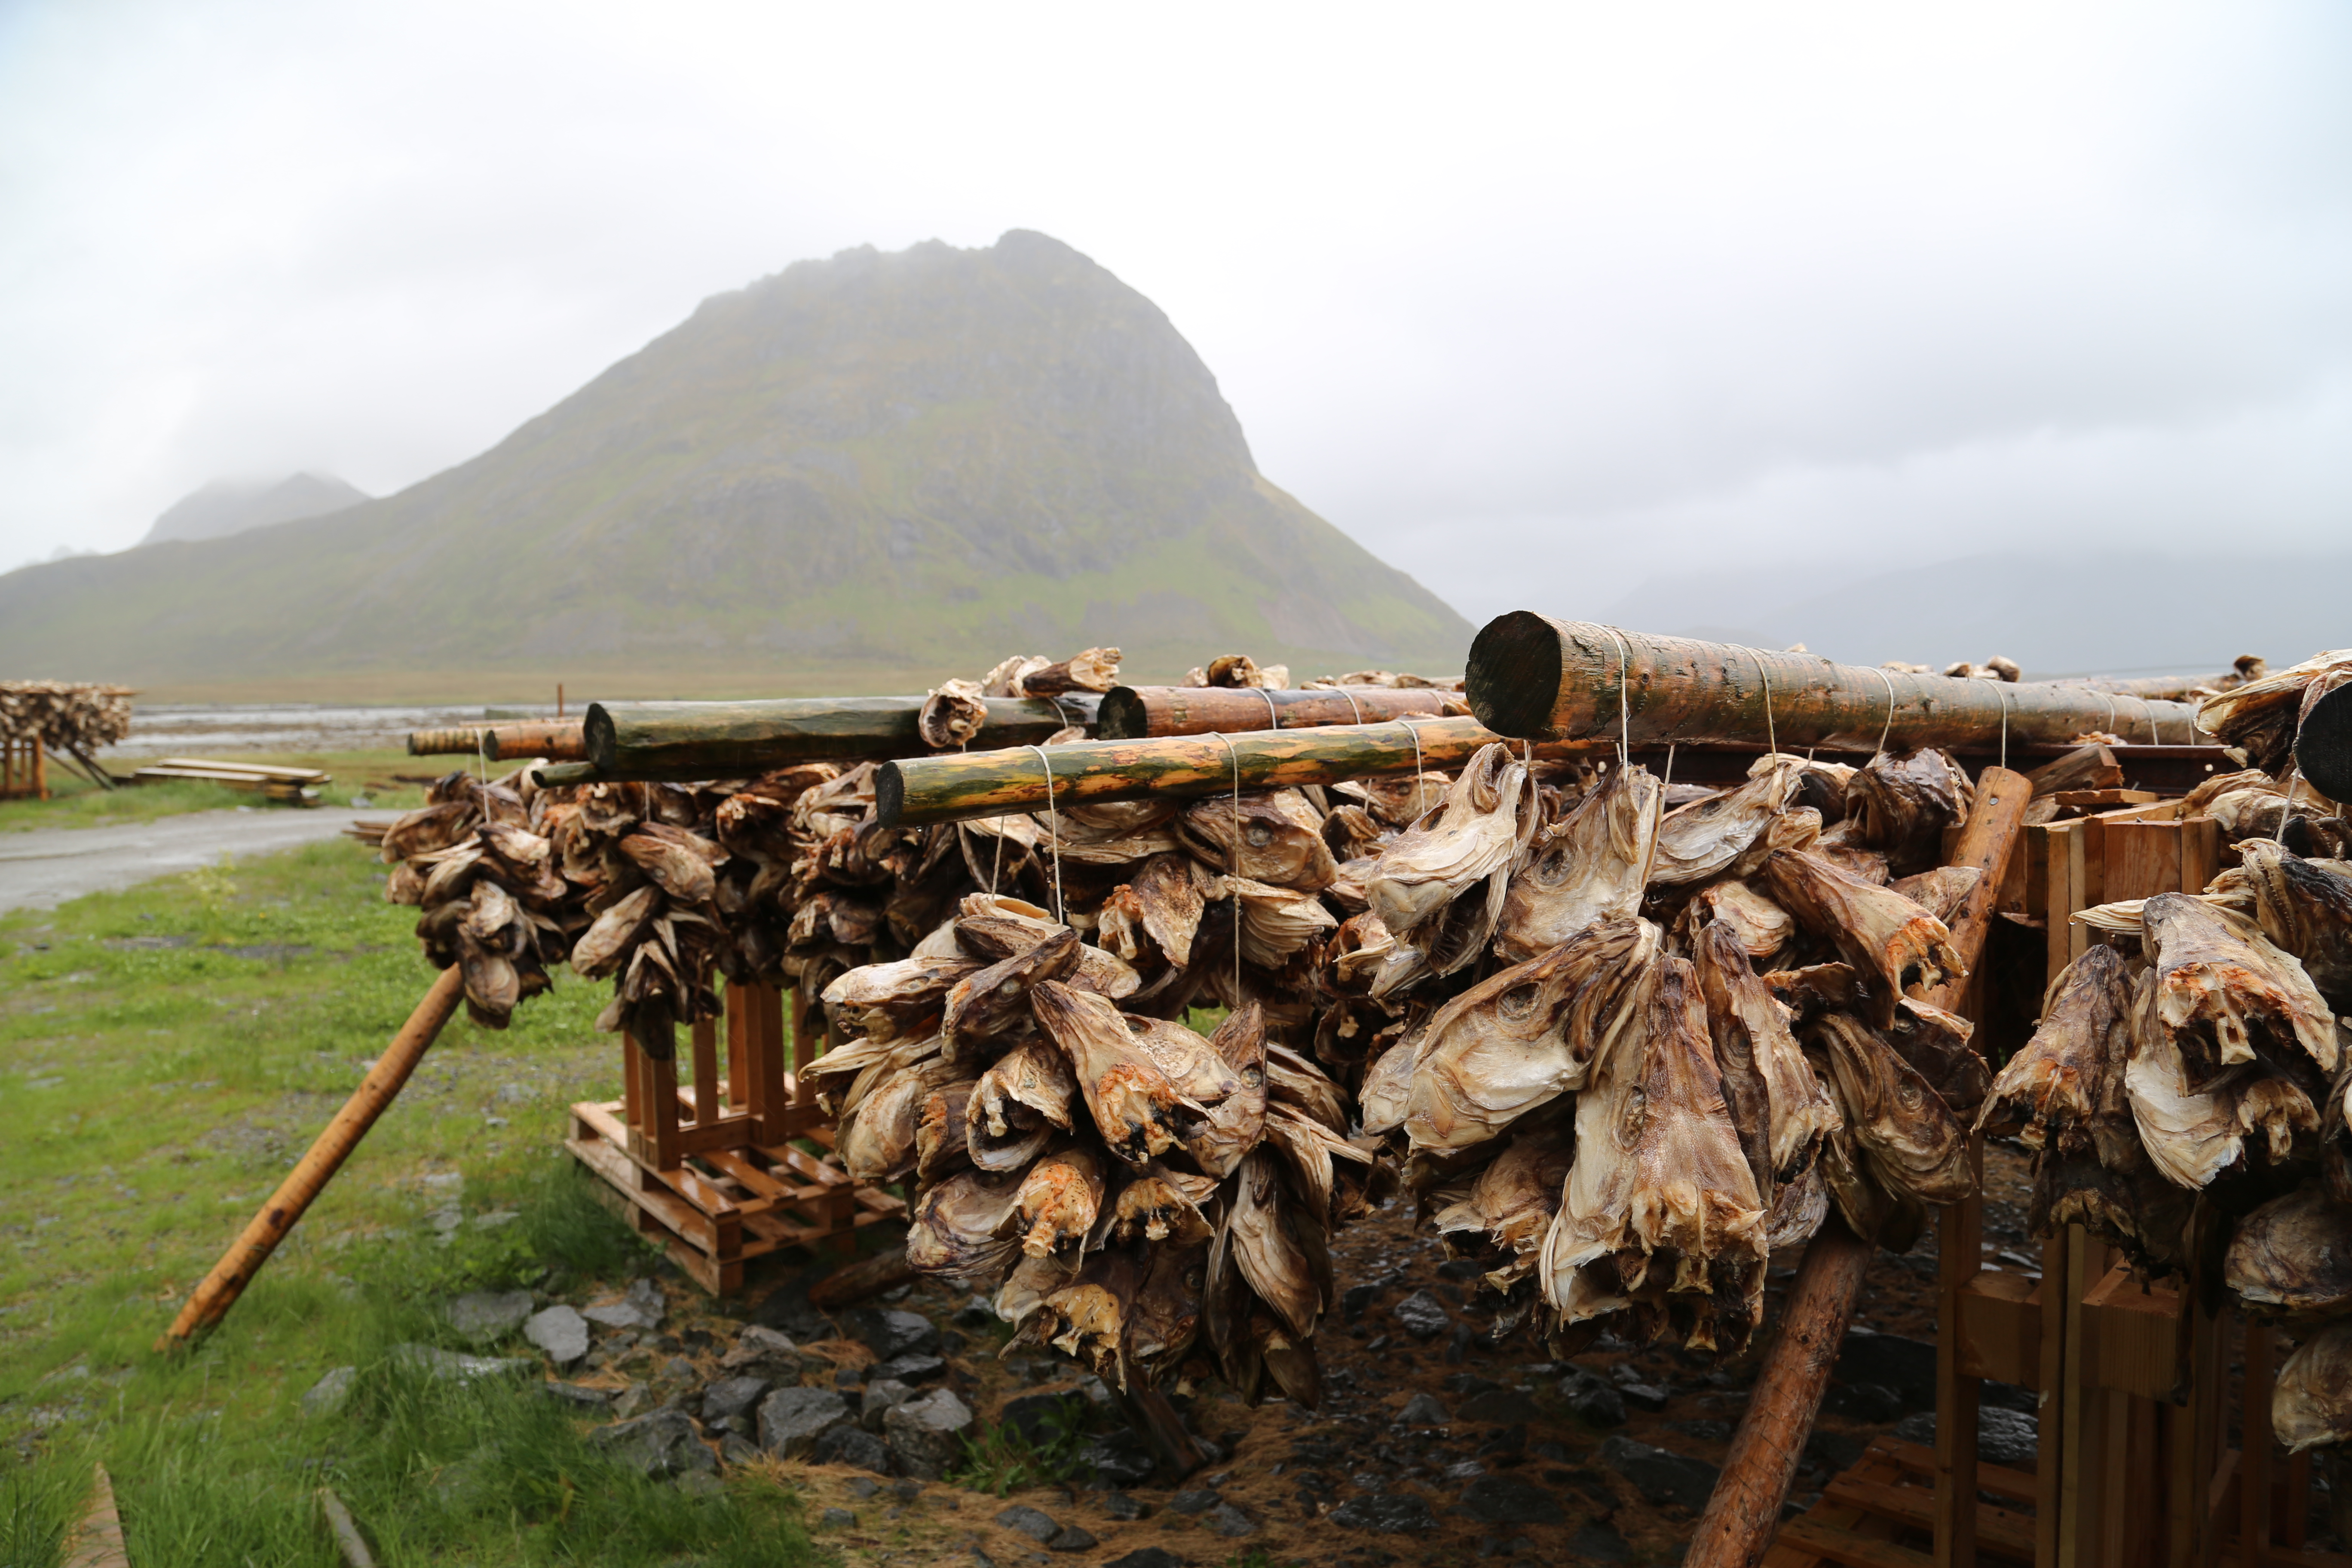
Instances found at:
x=709 y=1102
x=235 y=1271
x=1959 y=1248
x=2254 y=1444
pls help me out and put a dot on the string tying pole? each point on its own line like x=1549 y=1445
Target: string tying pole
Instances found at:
x=1624 y=709
x=1888 y=728
x=1052 y=826
x=1233 y=856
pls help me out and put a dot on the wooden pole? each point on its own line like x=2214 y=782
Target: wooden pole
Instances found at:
x=559 y=741
x=1745 y=1510
x=243 y=1260
x=1557 y=680
x=957 y=786
x=735 y=739
x=1137 y=712
x=448 y=743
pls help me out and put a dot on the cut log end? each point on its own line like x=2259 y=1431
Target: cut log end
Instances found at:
x=596 y=729
x=1122 y=716
x=1513 y=675
x=889 y=794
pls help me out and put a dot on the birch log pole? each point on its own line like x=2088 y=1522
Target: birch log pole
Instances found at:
x=737 y=740
x=1562 y=681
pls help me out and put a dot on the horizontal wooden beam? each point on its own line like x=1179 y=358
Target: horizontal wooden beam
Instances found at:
x=737 y=740
x=1139 y=712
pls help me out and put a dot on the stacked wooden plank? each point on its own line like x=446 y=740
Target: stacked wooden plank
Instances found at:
x=290 y=786
x=73 y=721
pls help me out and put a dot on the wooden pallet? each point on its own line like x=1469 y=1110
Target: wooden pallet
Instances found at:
x=23 y=770
x=1882 y=1514
x=731 y=1165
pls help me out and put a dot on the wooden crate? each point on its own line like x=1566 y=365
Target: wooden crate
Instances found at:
x=23 y=770
x=1884 y=1513
x=731 y=1166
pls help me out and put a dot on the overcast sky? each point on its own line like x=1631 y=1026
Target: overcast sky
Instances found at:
x=1534 y=303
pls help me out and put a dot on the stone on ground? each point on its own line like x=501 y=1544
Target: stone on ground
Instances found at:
x=661 y=1445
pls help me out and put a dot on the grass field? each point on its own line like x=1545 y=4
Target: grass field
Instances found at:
x=75 y=802
x=164 y=1055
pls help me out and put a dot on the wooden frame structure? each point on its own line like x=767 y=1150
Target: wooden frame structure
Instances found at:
x=24 y=768
x=2135 y=1463
x=730 y=1165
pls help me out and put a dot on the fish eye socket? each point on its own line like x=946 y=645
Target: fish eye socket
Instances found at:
x=1257 y=835
x=1518 y=1002
x=1252 y=1075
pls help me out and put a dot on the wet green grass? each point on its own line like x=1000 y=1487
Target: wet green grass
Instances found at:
x=165 y=1054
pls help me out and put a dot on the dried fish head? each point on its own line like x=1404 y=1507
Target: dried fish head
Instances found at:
x=1520 y=1037
x=1163 y=1321
x=431 y=828
x=1398 y=801
x=1018 y=1104
x=1798 y=1208
x=1586 y=868
x=952 y=714
x=1275 y=837
x=1702 y=839
x=1310 y=1149
x=1266 y=1249
x=1276 y=922
x=887 y=1001
x=2050 y=1091
x=608 y=942
x=2292 y=1256
x=1161 y=1205
x=1487 y=816
x=1911 y=1142
x=941 y=1145
x=2262 y=716
x=876 y=1136
x=1779 y=1108
x=2312 y=1402
x=2308 y=911
x=1762 y=926
x=1903 y=803
x=1512 y=1201
x=2224 y=991
x=1186 y=1058
x=1231 y=1128
x=1059 y=1199
x=1134 y=1105
x=1878 y=930
x=1936 y=1043
x=994 y=1003
x=963 y=1228
x=1025 y=1290
x=2194 y=1134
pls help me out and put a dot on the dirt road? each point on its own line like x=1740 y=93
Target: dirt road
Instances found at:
x=42 y=869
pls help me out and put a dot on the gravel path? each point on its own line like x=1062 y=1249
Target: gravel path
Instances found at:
x=42 y=869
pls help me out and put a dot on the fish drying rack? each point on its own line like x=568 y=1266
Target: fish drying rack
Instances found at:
x=2133 y=1465
x=24 y=768
x=730 y=1166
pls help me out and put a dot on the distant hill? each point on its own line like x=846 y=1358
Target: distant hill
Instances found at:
x=855 y=473
x=226 y=506
x=2115 y=612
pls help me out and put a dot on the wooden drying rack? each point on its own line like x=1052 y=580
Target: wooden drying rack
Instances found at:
x=23 y=769
x=731 y=1166
x=2134 y=1464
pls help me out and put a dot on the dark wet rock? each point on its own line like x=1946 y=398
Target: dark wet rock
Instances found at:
x=1457 y=1348
x=1194 y=1502
x=862 y=1487
x=641 y=1307
x=1146 y=1557
x=1508 y=1500
x=2009 y=1397
x=851 y=1446
x=1423 y=1410
x=765 y=1352
x=907 y=1489
x=737 y=1449
x=1659 y=1475
x=1647 y=1397
x=1499 y=1407
x=1390 y=1513
x=1034 y=1523
x=1599 y=1543
x=975 y=1313
x=1461 y=1269
x=731 y=1397
x=1705 y=1431
x=882 y=1395
x=837 y=1519
x=910 y=1368
x=792 y=1419
x=1422 y=1315
x=927 y=1435
x=560 y=1331
x=1904 y=1367
x=483 y=1316
x=1227 y=1521
x=893 y=1333
x=2003 y=1436
x=1121 y=1505
x=1120 y=1459
x=1355 y=1298
x=661 y=1445
x=455 y=1367
x=1073 y=1538
x=1590 y=1399
x=578 y=1395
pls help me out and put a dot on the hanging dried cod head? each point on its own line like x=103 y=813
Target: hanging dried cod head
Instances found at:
x=1762 y=926
x=886 y=1001
x=1059 y=1199
x=1487 y=816
x=994 y=1003
x=1267 y=1247
x=2305 y=909
x=1903 y=803
x=1702 y=839
x=1135 y=1107
x=2049 y=1093
x=1018 y=1104
x=1876 y=929
x=1276 y=922
x=1162 y=903
x=1162 y=1204
x=1909 y=1139
x=2195 y=1133
x=2313 y=1402
x=1527 y=1034
x=2292 y=1256
x=1941 y=891
x=1659 y=1178
x=2223 y=990
x=877 y=1134
x=1232 y=1127
x=1583 y=870
x=963 y=1228
x=1512 y=1201
x=952 y=714
x=941 y=1144
x=1275 y=837
x=1780 y=1107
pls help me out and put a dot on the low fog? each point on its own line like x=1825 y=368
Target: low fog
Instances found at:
x=1711 y=309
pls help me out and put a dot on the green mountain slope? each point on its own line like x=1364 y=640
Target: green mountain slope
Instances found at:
x=856 y=472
